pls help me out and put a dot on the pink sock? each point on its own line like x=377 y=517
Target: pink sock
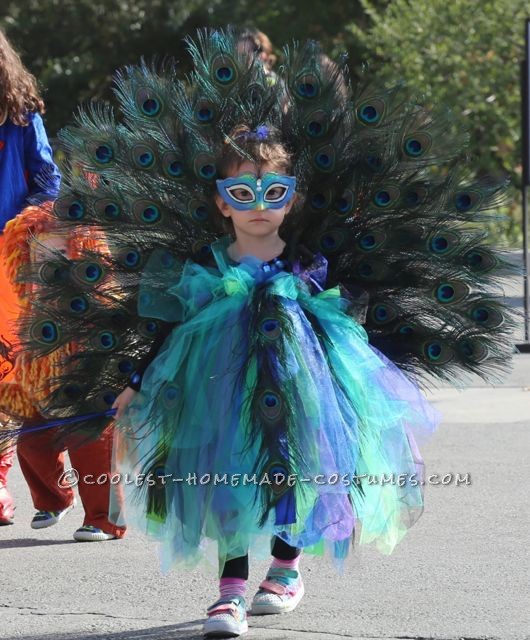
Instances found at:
x=286 y=564
x=232 y=587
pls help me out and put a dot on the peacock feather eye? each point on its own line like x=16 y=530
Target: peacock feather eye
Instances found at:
x=112 y=211
x=104 y=154
x=383 y=313
x=270 y=405
x=445 y=293
x=405 y=330
x=147 y=212
x=76 y=210
x=69 y=208
x=318 y=201
x=204 y=113
x=202 y=249
x=473 y=350
x=374 y=163
x=435 y=352
x=417 y=145
x=78 y=305
x=105 y=340
x=316 y=124
x=442 y=243
x=173 y=165
x=451 y=292
x=270 y=328
x=46 y=332
x=199 y=211
x=463 y=201
x=224 y=70
x=439 y=244
x=204 y=166
x=480 y=260
x=130 y=258
x=277 y=473
x=148 y=328
x=148 y=102
x=125 y=366
x=371 y=111
x=151 y=107
x=466 y=201
x=87 y=273
x=324 y=158
x=108 y=209
x=371 y=240
x=386 y=197
x=71 y=391
x=143 y=156
x=345 y=203
x=365 y=270
x=170 y=395
x=53 y=273
x=487 y=316
x=331 y=241
x=307 y=86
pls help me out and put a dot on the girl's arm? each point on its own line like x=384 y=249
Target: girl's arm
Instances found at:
x=135 y=381
x=42 y=173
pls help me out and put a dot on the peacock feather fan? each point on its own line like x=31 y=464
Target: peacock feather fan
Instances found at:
x=385 y=194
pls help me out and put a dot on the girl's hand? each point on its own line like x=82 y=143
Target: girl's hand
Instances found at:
x=123 y=401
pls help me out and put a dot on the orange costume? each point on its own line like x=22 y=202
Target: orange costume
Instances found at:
x=26 y=384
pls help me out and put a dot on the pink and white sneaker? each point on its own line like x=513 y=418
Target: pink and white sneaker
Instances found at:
x=280 y=592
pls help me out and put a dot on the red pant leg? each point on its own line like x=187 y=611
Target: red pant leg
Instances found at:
x=7 y=507
x=42 y=464
x=92 y=461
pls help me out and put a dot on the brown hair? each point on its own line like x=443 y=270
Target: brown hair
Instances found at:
x=18 y=88
x=260 y=146
x=252 y=41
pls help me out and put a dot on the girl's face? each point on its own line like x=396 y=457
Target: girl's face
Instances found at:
x=256 y=222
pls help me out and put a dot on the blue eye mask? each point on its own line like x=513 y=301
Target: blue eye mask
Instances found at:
x=247 y=192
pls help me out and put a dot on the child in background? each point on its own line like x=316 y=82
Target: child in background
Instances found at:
x=28 y=175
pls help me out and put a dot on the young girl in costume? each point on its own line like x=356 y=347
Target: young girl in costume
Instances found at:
x=267 y=374
x=263 y=402
x=28 y=175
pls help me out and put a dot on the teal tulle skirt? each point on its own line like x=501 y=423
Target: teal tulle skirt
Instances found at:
x=266 y=412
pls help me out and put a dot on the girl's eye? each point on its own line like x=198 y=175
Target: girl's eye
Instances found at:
x=275 y=192
x=241 y=194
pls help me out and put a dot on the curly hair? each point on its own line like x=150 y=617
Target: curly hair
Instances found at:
x=19 y=94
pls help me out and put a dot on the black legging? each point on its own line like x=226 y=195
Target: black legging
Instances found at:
x=238 y=567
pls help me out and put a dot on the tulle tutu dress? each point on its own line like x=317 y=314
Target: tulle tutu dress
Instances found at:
x=266 y=412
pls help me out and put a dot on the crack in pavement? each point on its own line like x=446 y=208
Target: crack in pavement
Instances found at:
x=35 y=612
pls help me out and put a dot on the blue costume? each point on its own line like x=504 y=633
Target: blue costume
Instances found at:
x=28 y=174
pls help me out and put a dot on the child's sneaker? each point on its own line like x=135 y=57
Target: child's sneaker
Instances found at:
x=43 y=519
x=226 y=618
x=280 y=592
x=89 y=533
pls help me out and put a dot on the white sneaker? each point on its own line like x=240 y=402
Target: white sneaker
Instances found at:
x=43 y=519
x=280 y=592
x=89 y=533
x=226 y=618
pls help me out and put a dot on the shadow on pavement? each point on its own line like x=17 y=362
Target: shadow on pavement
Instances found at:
x=19 y=543
x=191 y=630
